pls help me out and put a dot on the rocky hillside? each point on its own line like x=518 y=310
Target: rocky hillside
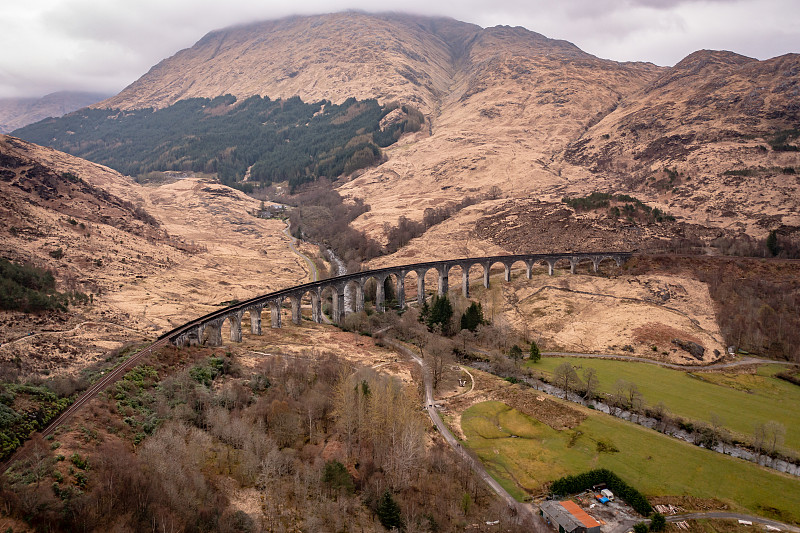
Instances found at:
x=18 y=112
x=711 y=140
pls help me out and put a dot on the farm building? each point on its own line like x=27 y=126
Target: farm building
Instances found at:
x=568 y=517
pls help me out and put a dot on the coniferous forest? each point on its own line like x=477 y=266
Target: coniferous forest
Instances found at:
x=276 y=140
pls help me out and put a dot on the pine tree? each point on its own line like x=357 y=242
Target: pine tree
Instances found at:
x=337 y=477
x=389 y=512
x=535 y=355
x=424 y=312
x=440 y=314
x=772 y=243
x=515 y=353
x=472 y=317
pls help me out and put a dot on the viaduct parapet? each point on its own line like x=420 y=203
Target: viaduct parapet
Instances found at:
x=208 y=329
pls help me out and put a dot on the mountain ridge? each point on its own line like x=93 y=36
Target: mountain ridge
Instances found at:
x=510 y=108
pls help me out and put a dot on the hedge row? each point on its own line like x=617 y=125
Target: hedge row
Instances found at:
x=587 y=480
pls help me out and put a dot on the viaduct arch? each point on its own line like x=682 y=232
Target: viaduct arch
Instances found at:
x=208 y=329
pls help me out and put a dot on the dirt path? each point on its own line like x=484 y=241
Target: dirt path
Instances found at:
x=733 y=516
x=471 y=378
x=627 y=525
x=68 y=331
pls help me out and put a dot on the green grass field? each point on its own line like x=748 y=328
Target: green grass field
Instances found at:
x=741 y=400
x=523 y=454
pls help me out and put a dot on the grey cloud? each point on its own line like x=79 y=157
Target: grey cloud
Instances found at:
x=107 y=44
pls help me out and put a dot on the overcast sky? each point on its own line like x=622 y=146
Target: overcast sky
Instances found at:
x=104 y=45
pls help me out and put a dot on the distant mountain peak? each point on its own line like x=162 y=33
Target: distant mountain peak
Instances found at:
x=18 y=112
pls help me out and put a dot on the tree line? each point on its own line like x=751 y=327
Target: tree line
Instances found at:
x=586 y=480
x=323 y=217
x=399 y=235
x=618 y=205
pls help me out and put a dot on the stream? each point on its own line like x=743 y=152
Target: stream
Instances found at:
x=340 y=270
x=652 y=423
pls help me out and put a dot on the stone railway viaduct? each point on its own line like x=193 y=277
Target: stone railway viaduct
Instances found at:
x=207 y=330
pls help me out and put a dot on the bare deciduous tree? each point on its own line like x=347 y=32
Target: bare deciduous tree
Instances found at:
x=438 y=354
x=661 y=413
x=774 y=435
x=465 y=336
x=590 y=382
x=565 y=377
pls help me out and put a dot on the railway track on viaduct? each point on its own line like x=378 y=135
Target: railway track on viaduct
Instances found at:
x=336 y=284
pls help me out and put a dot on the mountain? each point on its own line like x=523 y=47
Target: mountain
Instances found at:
x=710 y=141
x=327 y=57
x=18 y=112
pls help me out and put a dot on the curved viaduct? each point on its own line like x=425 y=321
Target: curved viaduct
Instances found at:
x=208 y=329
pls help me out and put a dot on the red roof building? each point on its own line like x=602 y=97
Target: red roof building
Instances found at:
x=568 y=517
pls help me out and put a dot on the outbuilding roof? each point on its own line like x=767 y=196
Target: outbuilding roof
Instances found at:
x=569 y=515
x=580 y=514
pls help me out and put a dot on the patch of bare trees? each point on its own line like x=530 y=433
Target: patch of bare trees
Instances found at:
x=767 y=439
x=272 y=432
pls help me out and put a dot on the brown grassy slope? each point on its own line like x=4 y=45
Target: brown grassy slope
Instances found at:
x=518 y=101
x=756 y=301
x=43 y=209
x=711 y=113
x=205 y=248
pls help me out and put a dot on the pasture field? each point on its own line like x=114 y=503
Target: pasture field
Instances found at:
x=740 y=399
x=523 y=454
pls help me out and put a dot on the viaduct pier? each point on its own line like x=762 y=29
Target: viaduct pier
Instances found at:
x=208 y=329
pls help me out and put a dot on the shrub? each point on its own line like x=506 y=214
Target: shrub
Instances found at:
x=658 y=522
x=606 y=446
x=79 y=461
